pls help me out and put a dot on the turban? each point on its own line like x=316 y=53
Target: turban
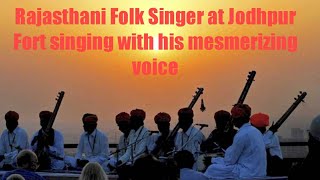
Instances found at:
x=241 y=110
x=11 y=115
x=86 y=115
x=162 y=117
x=45 y=115
x=91 y=119
x=260 y=120
x=138 y=113
x=222 y=115
x=185 y=113
x=122 y=117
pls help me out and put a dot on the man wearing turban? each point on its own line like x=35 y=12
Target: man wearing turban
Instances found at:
x=93 y=145
x=157 y=141
x=51 y=144
x=12 y=141
x=271 y=140
x=138 y=138
x=123 y=121
x=219 y=136
x=246 y=157
x=190 y=138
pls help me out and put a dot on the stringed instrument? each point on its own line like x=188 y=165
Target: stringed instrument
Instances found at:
x=285 y=116
x=42 y=154
x=243 y=96
x=162 y=147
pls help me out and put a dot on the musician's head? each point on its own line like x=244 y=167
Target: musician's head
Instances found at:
x=11 y=118
x=221 y=118
x=185 y=118
x=44 y=118
x=28 y=160
x=184 y=159
x=90 y=123
x=123 y=122
x=137 y=117
x=162 y=120
x=260 y=121
x=314 y=136
x=93 y=170
x=240 y=114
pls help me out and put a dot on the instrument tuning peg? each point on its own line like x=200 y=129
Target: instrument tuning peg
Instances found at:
x=295 y=99
x=302 y=101
x=300 y=92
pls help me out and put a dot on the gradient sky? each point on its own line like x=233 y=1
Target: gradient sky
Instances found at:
x=103 y=83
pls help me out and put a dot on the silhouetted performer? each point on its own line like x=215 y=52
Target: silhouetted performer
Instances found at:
x=185 y=163
x=93 y=145
x=138 y=138
x=219 y=136
x=13 y=140
x=48 y=147
x=271 y=141
x=162 y=120
x=246 y=157
x=123 y=122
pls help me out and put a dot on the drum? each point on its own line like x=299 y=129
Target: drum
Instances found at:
x=204 y=160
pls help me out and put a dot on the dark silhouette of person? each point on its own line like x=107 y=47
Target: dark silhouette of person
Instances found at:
x=309 y=167
x=185 y=161
x=219 y=136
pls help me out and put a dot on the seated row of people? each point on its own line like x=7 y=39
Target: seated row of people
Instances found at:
x=246 y=151
x=93 y=145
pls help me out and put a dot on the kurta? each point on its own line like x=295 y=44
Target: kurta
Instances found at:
x=93 y=147
x=190 y=141
x=56 y=150
x=11 y=144
x=137 y=145
x=245 y=158
x=272 y=143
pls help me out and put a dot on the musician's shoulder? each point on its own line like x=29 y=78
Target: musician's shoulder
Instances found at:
x=4 y=132
x=58 y=133
x=100 y=134
x=35 y=133
x=22 y=130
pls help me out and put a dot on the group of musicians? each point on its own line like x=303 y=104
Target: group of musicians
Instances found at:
x=252 y=141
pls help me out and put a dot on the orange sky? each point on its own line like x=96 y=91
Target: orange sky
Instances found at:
x=103 y=83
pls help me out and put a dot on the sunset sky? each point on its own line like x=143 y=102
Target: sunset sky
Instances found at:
x=103 y=83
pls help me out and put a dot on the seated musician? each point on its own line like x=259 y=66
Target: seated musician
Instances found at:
x=123 y=122
x=138 y=138
x=48 y=146
x=13 y=140
x=190 y=138
x=93 y=145
x=219 y=136
x=274 y=154
x=162 y=120
x=246 y=157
